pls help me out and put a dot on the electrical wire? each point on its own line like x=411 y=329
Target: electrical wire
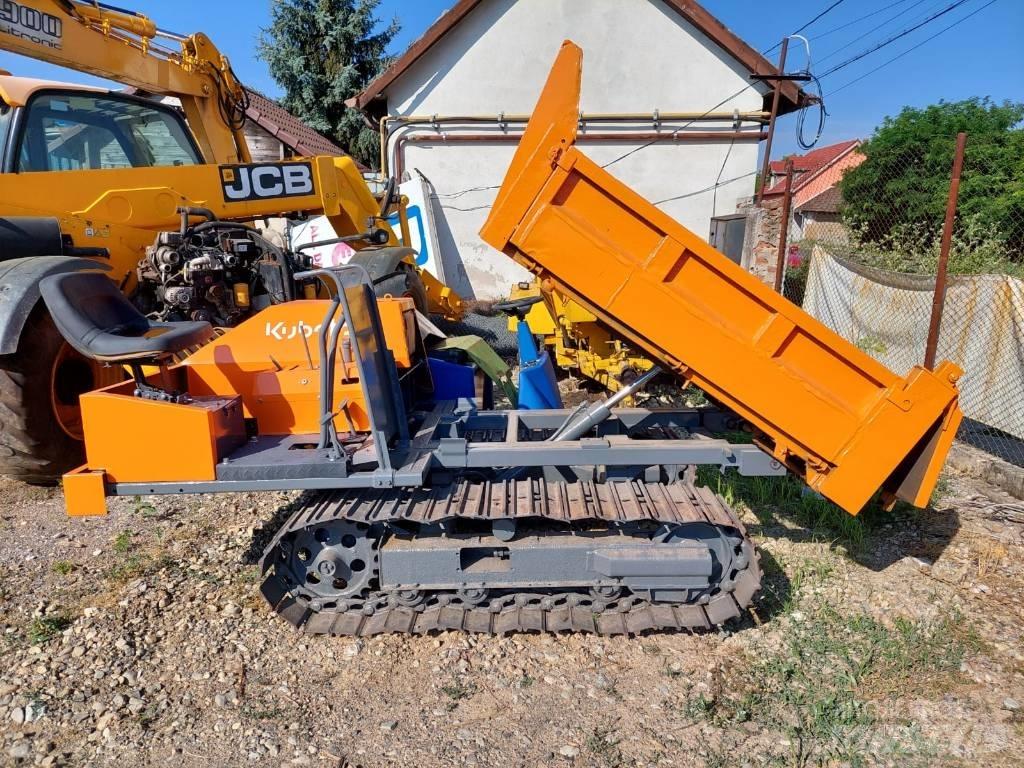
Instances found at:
x=912 y=48
x=805 y=26
x=678 y=130
x=718 y=178
x=802 y=116
x=711 y=188
x=465 y=210
x=462 y=192
x=893 y=39
x=706 y=189
x=868 y=33
x=883 y=9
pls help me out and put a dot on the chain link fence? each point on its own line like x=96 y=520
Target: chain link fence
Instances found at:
x=865 y=239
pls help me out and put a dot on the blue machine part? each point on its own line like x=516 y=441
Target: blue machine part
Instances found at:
x=451 y=380
x=538 y=388
x=418 y=232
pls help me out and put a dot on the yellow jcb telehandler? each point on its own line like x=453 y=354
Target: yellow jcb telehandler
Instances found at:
x=161 y=198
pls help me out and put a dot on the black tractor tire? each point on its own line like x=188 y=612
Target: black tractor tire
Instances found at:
x=404 y=281
x=34 y=447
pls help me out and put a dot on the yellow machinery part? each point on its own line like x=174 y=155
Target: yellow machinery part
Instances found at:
x=577 y=341
x=441 y=299
x=837 y=418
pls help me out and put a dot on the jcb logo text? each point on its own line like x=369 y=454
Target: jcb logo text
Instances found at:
x=264 y=182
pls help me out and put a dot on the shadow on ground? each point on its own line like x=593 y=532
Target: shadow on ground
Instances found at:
x=875 y=539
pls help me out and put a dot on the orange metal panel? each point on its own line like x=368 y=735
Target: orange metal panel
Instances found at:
x=84 y=492
x=135 y=440
x=264 y=360
x=835 y=416
x=288 y=403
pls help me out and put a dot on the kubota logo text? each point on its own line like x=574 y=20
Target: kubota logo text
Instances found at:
x=29 y=24
x=279 y=331
x=263 y=182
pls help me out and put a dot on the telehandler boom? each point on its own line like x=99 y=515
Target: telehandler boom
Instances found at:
x=426 y=512
x=94 y=178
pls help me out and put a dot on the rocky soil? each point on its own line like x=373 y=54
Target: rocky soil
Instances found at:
x=140 y=639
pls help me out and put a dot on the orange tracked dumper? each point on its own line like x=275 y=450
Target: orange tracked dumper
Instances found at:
x=428 y=512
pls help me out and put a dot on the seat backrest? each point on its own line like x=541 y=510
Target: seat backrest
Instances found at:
x=85 y=304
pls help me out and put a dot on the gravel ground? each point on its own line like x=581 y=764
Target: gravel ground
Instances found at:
x=140 y=639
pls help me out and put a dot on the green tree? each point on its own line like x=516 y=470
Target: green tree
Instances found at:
x=322 y=52
x=899 y=192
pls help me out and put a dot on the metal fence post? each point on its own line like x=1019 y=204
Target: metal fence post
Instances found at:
x=939 y=297
x=787 y=199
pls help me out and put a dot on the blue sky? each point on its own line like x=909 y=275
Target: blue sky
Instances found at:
x=980 y=57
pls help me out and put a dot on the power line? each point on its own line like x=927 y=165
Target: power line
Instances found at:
x=805 y=26
x=883 y=9
x=912 y=48
x=892 y=39
x=877 y=27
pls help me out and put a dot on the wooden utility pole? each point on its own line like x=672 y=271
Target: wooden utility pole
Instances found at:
x=776 y=98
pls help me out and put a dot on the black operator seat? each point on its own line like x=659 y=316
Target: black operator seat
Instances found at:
x=101 y=323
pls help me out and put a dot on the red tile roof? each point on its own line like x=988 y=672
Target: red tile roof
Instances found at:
x=288 y=129
x=793 y=97
x=806 y=167
x=282 y=125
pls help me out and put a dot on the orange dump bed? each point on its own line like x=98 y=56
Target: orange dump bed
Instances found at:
x=835 y=416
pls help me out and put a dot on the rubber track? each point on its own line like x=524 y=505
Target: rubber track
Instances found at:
x=563 y=502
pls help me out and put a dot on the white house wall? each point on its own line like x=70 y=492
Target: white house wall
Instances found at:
x=639 y=56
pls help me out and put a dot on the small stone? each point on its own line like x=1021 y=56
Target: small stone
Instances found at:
x=119 y=701
x=352 y=649
x=390 y=725
x=568 y=750
x=136 y=705
x=220 y=700
x=20 y=750
x=230 y=610
x=1011 y=705
x=18 y=715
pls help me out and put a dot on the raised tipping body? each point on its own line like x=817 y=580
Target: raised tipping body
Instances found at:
x=833 y=415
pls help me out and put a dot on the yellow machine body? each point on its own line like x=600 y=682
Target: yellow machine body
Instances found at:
x=577 y=340
x=837 y=418
x=122 y=209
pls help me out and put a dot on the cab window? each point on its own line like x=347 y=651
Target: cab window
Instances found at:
x=70 y=132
